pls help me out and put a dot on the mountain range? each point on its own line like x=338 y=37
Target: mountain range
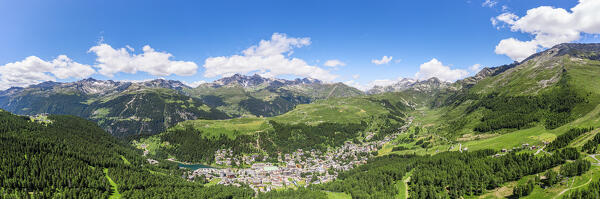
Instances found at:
x=149 y=107
x=508 y=131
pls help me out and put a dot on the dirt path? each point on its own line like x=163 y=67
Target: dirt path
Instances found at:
x=539 y=150
x=593 y=156
x=567 y=189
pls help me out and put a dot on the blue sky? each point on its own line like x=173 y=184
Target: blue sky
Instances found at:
x=420 y=36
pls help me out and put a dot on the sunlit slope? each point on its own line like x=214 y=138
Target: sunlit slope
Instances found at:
x=336 y=110
x=544 y=89
x=320 y=125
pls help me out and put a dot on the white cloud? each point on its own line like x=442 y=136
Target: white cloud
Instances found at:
x=355 y=76
x=194 y=84
x=382 y=82
x=507 y=17
x=494 y=22
x=270 y=58
x=435 y=68
x=475 y=67
x=33 y=70
x=371 y=84
x=550 y=26
x=334 y=63
x=383 y=60
x=489 y=3
x=356 y=85
x=515 y=49
x=365 y=87
x=111 y=61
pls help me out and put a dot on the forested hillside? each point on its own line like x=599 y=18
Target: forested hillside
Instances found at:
x=526 y=130
x=319 y=125
x=523 y=130
x=549 y=89
x=69 y=157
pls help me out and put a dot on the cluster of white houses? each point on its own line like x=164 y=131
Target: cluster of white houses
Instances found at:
x=296 y=169
x=299 y=168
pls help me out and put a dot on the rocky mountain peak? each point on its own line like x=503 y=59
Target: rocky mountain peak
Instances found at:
x=256 y=80
x=47 y=85
x=163 y=83
x=580 y=50
x=408 y=83
x=307 y=80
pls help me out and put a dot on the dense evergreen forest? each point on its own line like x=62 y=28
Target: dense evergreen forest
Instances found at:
x=287 y=138
x=190 y=145
x=453 y=174
x=68 y=157
x=553 y=108
x=591 y=146
x=449 y=174
x=564 y=139
x=375 y=179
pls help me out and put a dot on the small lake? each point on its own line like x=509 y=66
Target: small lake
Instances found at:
x=193 y=166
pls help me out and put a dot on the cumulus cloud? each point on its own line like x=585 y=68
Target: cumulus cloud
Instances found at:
x=111 y=61
x=507 y=17
x=269 y=58
x=435 y=68
x=515 y=49
x=334 y=63
x=550 y=26
x=33 y=70
x=383 y=60
x=355 y=76
x=475 y=67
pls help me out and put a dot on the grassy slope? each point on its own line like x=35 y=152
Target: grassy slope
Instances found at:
x=335 y=110
x=114 y=186
x=581 y=72
x=403 y=186
x=231 y=96
x=338 y=110
x=337 y=195
x=587 y=114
